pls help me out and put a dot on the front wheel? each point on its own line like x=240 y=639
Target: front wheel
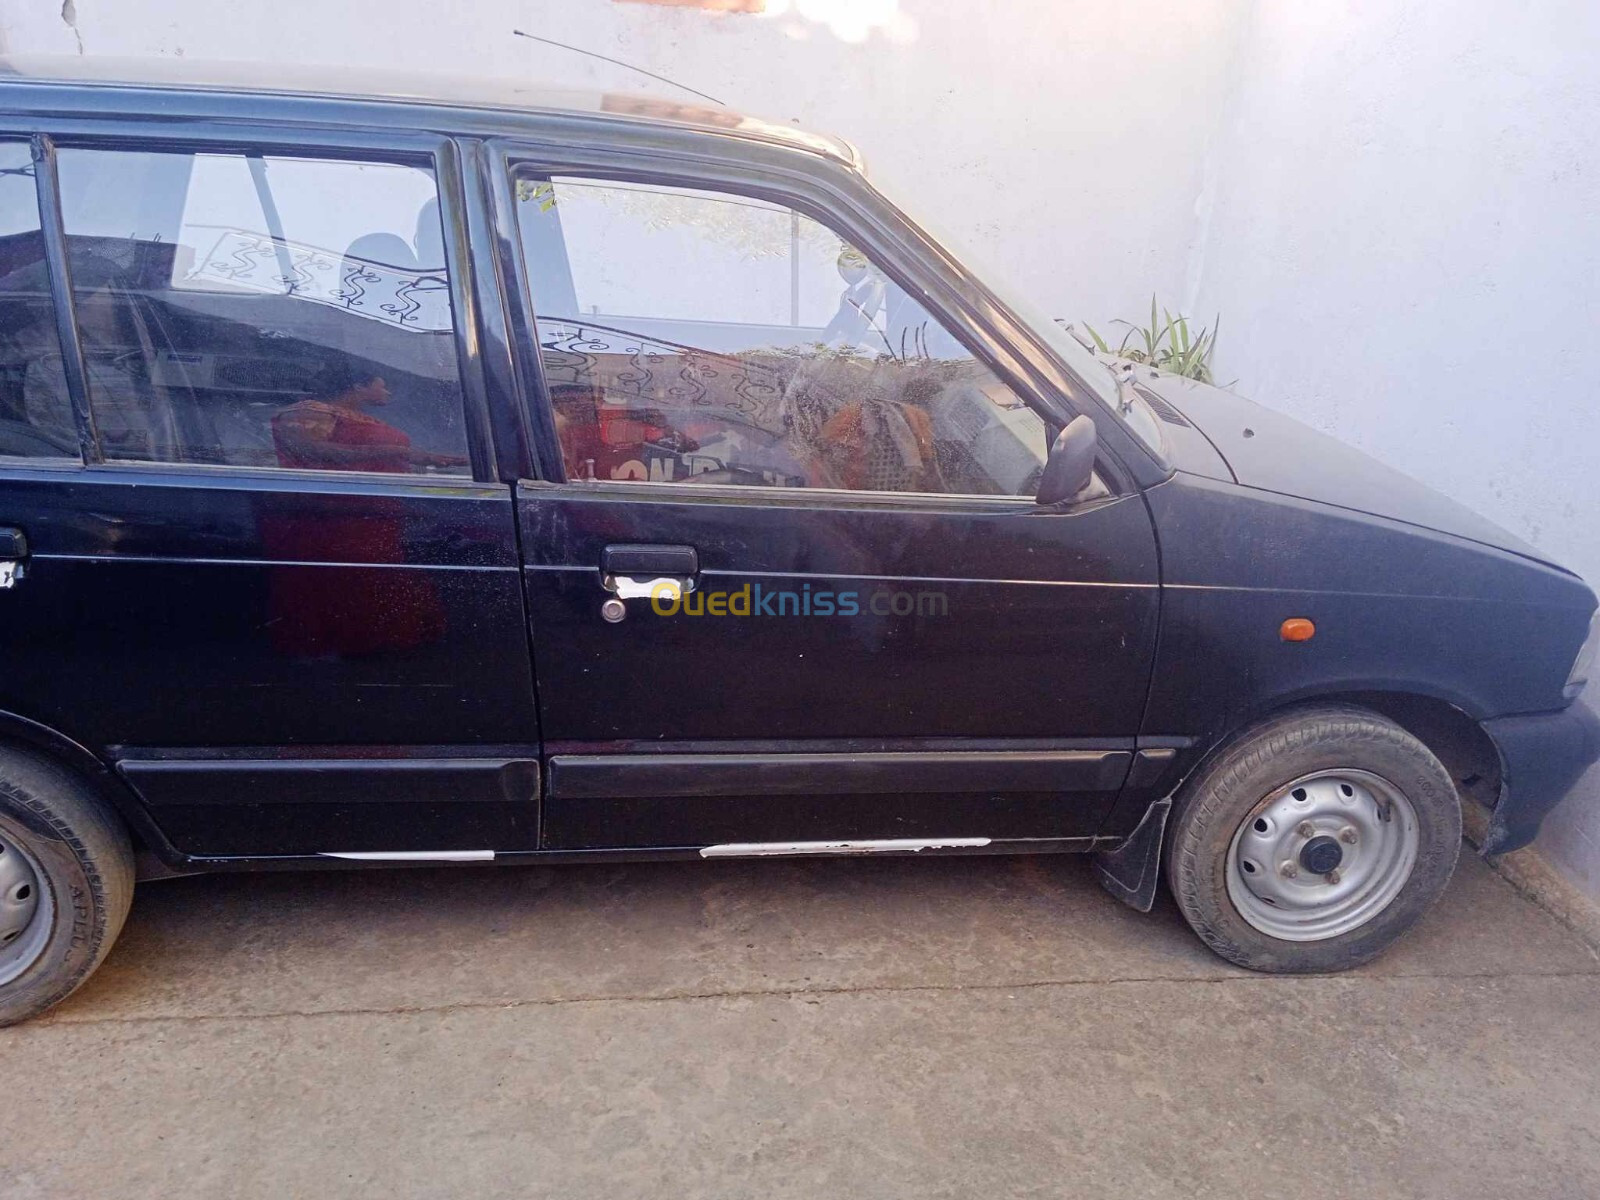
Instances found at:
x=1313 y=841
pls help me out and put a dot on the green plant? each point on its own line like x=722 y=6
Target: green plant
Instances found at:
x=541 y=190
x=1166 y=344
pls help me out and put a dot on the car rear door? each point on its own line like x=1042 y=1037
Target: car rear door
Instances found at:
x=750 y=400
x=272 y=568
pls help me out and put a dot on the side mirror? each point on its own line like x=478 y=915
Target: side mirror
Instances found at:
x=1070 y=467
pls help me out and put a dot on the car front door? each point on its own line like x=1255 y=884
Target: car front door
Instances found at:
x=786 y=576
x=272 y=572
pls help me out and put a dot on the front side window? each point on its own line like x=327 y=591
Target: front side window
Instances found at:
x=263 y=311
x=35 y=411
x=713 y=338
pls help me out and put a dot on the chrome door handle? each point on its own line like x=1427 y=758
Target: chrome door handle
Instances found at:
x=645 y=572
x=13 y=556
x=626 y=587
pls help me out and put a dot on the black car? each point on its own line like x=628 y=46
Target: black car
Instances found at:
x=497 y=479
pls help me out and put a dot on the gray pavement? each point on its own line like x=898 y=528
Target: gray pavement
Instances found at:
x=988 y=1027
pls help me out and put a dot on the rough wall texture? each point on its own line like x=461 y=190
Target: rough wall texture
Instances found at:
x=1392 y=202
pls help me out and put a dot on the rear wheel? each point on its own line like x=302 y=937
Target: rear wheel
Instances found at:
x=1313 y=841
x=66 y=882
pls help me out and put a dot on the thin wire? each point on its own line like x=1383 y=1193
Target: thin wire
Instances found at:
x=533 y=37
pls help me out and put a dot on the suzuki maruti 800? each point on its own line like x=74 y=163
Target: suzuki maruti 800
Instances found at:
x=495 y=478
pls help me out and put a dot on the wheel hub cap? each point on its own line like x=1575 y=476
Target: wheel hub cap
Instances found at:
x=25 y=910
x=1323 y=855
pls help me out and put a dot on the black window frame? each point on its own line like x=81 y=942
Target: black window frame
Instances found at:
x=436 y=152
x=888 y=241
x=64 y=461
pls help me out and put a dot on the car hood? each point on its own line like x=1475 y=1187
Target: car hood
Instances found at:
x=1267 y=450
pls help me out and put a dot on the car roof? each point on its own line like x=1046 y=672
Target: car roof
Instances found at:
x=413 y=87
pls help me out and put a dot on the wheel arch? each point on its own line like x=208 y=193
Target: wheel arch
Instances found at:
x=1456 y=738
x=150 y=845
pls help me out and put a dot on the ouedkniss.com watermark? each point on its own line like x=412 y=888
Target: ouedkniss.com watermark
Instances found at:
x=753 y=600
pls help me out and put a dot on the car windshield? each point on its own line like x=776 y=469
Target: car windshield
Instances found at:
x=1100 y=375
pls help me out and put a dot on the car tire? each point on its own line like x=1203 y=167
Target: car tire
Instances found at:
x=1311 y=842
x=66 y=882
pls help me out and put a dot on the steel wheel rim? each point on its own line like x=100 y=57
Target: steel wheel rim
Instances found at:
x=27 y=909
x=1272 y=874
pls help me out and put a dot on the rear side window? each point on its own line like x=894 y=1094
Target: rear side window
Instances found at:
x=35 y=411
x=261 y=311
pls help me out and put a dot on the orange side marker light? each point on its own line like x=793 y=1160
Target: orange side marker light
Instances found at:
x=1297 y=629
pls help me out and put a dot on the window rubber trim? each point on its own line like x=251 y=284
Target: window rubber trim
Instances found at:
x=74 y=365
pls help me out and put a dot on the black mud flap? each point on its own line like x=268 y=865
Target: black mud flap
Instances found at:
x=1131 y=871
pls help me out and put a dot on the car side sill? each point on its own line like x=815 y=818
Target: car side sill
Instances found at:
x=381 y=860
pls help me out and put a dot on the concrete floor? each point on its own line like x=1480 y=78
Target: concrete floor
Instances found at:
x=955 y=1028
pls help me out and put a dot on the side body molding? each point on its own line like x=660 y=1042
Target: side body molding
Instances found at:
x=696 y=799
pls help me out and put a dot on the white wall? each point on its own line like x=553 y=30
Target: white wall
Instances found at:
x=1403 y=236
x=1405 y=244
x=1041 y=131
x=1395 y=204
